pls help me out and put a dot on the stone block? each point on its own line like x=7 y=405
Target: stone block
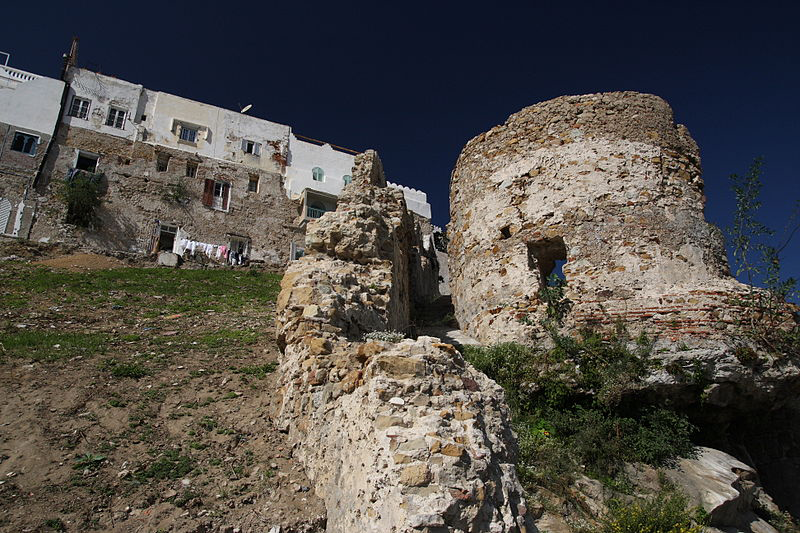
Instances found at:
x=168 y=259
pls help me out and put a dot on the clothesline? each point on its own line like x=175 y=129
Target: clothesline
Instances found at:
x=220 y=252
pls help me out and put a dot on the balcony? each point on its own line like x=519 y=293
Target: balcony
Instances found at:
x=314 y=212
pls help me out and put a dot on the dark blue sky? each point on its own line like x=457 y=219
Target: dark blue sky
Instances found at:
x=416 y=81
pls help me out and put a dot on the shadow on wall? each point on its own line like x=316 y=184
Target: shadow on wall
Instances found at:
x=116 y=232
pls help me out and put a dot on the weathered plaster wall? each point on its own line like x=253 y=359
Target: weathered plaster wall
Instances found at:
x=606 y=182
x=397 y=437
x=134 y=199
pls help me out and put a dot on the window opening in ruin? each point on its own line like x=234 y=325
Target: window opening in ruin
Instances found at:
x=166 y=237
x=216 y=194
x=79 y=107
x=252 y=183
x=188 y=134
x=347 y=179
x=191 y=169
x=240 y=245
x=317 y=174
x=25 y=143
x=251 y=147
x=116 y=118
x=162 y=162
x=87 y=162
x=548 y=256
x=505 y=232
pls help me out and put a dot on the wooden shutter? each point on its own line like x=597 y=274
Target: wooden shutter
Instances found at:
x=208 y=193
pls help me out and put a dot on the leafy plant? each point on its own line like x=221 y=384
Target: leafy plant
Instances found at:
x=553 y=293
x=568 y=409
x=171 y=465
x=666 y=512
x=88 y=461
x=82 y=194
x=769 y=320
x=176 y=193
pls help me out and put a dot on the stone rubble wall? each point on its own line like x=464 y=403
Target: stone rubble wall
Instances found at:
x=607 y=182
x=134 y=199
x=397 y=437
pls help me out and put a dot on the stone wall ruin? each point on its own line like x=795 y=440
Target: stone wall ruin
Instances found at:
x=609 y=187
x=396 y=436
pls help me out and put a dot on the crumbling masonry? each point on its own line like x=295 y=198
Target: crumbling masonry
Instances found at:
x=605 y=184
x=397 y=436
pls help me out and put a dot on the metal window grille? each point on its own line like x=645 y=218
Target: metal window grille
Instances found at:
x=24 y=143
x=188 y=134
x=191 y=169
x=79 y=108
x=116 y=118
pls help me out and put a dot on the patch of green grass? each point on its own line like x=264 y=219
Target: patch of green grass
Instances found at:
x=125 y=370
x=179 y=290
x=89 y=461
x=40 y=345
x=229 y=337
x=171 y=465
x=258 y=371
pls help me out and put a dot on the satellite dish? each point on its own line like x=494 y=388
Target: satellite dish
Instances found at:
x=246 y=108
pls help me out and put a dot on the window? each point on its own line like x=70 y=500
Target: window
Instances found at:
x=191 y=169
x=240 y=245
x=347 y=179
x=166 y=237
x=188 y=134
x=25 y=143
x=251 y=147
x=216 y=194
x=252 y=184
x=116 y=118
x=87 y=162
x=318 y=174
x=162 y=162
x=79 y=107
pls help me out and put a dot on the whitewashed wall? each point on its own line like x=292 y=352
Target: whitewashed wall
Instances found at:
x=29 y=101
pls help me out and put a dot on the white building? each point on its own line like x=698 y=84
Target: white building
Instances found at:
x=29 y=110
x=313 y=172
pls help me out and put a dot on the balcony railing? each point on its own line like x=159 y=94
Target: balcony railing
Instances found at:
x=16 y=74
x=313 y=212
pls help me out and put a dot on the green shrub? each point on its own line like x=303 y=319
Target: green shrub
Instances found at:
x=666 y=512
x=568 y=412
x=82 y=196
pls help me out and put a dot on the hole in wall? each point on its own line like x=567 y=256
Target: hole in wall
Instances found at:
x=505 y=232
x=548 y=256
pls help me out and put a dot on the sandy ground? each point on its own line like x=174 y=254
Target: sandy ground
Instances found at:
x=188 y=447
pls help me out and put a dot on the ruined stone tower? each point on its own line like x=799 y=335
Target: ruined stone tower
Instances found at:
x=607 y=184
